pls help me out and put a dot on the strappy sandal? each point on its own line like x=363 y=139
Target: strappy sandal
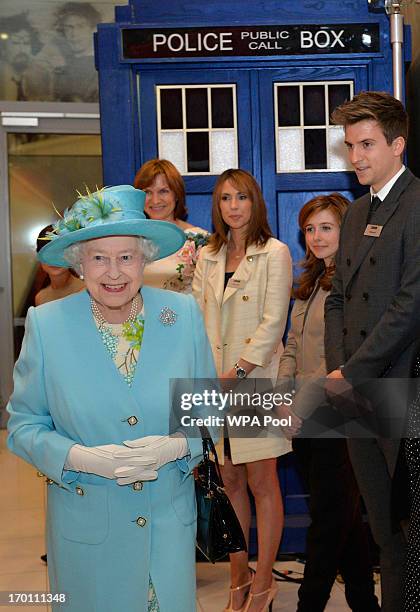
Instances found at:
x=271 y=595
x=232 y=590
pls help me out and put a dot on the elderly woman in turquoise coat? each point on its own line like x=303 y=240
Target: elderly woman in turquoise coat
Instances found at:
x=91 y=409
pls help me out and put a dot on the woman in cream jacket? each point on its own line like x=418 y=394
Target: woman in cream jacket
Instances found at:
x=242 y=283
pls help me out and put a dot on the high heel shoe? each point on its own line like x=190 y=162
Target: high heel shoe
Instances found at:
x=233 y=590
x=270 y=593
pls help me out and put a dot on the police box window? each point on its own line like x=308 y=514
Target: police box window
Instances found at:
x=197 y=128
x=306 y=140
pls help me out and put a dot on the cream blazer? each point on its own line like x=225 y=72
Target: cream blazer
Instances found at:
x=303 y=358
x=247 y=321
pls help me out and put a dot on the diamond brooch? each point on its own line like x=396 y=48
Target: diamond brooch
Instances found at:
x=167 y=316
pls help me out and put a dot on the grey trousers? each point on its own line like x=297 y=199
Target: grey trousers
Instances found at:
x=374 y=462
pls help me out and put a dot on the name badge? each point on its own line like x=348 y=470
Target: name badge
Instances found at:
x=236 y=283
x=373 y=230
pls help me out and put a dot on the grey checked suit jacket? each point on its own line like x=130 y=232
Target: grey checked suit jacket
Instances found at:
x=373 y=311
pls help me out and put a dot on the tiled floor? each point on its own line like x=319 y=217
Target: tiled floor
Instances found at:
x=22 y=511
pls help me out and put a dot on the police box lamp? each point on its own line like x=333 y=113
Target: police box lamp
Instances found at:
x=378 y=5
x=390 y=6
x=396 y=19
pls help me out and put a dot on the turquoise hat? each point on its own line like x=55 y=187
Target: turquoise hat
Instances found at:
x=112 y=211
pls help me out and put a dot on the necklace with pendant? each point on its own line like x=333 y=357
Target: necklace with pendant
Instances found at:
x=230 y=249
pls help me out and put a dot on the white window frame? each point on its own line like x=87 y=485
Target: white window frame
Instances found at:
x=184 y=130
x=327 y=126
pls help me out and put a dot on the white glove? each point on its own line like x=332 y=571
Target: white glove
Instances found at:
x=100 y=460
x=157 y=450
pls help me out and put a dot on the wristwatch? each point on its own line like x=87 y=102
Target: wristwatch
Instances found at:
x=240 y=372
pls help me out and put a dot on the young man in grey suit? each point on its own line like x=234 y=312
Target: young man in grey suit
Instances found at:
x=373 y=311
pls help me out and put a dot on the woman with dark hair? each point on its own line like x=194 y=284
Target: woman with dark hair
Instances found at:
x=336 y=539
x=165 y=201
x=242 y=283
x=61 y=281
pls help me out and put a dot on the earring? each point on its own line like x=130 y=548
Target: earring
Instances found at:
x=81 y=277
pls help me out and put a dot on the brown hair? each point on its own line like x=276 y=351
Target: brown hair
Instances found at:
x=146 y=175
x=258 y=231
x=378 y=106
x=314 y=268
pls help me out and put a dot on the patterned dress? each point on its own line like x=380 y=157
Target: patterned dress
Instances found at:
x=123 y=343
x=176 y=271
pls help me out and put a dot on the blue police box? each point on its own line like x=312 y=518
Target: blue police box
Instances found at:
x=216 y=84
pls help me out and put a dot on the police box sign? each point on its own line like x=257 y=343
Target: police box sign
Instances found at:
x=254 y=40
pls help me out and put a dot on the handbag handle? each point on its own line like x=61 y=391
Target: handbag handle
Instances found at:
x=208 y=447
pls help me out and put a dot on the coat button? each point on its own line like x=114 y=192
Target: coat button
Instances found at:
x=344 y=331
x=365 y=296
x=141 y=521
x=138 y=485
x=245 y=298
x=250 y=258
x=133 y=420
x=348 y=261
x=372 y=261
x=247 y=340
x=363 y=333
x=80 y=491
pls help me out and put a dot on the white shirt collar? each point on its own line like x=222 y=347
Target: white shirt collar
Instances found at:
x=382 y=193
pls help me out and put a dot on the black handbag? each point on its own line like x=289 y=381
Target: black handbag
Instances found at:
x=218 y=529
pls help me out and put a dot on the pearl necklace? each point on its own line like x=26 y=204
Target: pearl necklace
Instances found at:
x=134 y=310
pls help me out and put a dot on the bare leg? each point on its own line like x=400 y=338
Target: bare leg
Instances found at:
x=235 y=481
x=264 y=484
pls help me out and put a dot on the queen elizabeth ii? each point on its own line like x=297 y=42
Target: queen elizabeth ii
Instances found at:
x=91 y=410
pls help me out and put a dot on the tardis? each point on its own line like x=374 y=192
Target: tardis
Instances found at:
x=217 y=84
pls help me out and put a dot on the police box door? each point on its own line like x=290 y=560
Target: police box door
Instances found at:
x=201 y=120
x=273 y=122
x=302 y=153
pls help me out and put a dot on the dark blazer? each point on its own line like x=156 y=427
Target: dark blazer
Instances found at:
x=373 y=311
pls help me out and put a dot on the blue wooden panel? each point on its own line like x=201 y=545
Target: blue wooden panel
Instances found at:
x=253 y=11
x=295 y=501
x=117 y=111
x=148 y=79
x=199 y=210
x=309 y=181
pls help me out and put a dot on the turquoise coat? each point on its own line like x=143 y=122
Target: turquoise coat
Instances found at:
x=104 y=539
